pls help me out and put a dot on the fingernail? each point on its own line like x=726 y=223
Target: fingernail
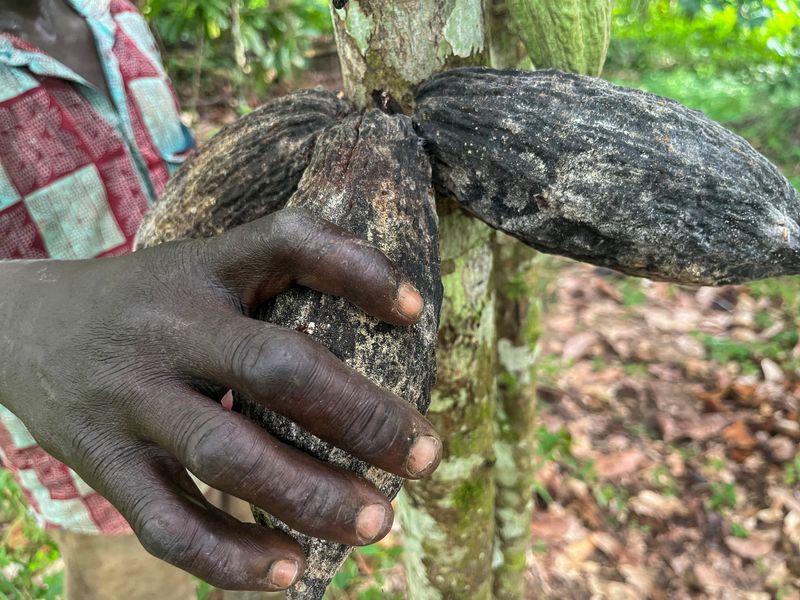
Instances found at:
x=409 y=302
x=424 y=453
x=283 y=573
x=370 y=522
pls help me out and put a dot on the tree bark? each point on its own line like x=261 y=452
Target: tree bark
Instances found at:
x=448 y=519
x=518 y=320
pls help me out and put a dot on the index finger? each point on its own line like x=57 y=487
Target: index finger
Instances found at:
x=267 y=256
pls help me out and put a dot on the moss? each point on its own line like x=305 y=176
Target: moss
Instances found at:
x=460 y=494
x=380 y=76
x=467 y=495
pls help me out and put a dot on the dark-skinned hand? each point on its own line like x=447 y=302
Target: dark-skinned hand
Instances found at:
x=105 y=360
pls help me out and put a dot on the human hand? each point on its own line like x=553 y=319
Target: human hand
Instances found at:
x=106 y=362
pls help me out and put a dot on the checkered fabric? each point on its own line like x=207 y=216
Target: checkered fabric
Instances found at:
x=77 y=173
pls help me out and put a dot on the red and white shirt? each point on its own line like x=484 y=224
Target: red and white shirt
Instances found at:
x=78 y=171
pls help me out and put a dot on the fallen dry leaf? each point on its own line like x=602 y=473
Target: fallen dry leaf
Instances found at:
x=579 y=345
x=549 y=527
x=614 y=590
x=712 y=400
x=741 y=442
x=646 y=503
x=772 y=514
x=781 y=449
x=772 y=372
x=619 y=464
x=572 y=561
x=744 y=391
x=607 y=544
x=651 y=504
x=608 y=290
x=789 y=428
x=785 y=497
x=753 y=547
x=639 y=577
x=579 y=550
x=708 y=579
x=703 y=427
x=791 y=529
x=739 y=436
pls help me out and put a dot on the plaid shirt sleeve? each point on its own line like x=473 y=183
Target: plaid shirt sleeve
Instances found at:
x=78 y=171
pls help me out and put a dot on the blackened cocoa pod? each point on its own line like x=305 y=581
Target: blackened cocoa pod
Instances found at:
x=248 y=170
x=617 y=177
x=370 y=175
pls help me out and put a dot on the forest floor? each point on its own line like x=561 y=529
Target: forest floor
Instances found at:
x=670 y=429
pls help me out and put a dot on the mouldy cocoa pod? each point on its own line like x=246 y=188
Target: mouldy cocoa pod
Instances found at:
x=249 y=169
x=617 y=177
x=552 y=38
x=370 y=175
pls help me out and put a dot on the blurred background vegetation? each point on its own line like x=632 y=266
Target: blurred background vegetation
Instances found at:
x=736 y=60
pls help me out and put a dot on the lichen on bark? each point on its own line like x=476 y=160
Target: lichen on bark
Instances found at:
x=395 y=46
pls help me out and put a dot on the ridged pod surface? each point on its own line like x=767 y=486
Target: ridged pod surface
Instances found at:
x=370 y=175
x=248 y=170
x=616 y=177
x=571 y=35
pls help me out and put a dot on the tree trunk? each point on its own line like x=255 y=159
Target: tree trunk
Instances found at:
x=448 y=519
x=518 y=311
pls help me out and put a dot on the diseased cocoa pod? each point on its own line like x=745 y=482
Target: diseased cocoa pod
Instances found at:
x=249 y=169
x=370 y=175
x=571 y=35
x=621 y=178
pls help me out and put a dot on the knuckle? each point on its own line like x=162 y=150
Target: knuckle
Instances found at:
x=373 y=426
x=164 y=533
x=167 y=533
x=285 y=361
x=209 y=447
x=247 y=353
x=291 y=228
x=228 y=456
x=293 y=218
x=318 y=502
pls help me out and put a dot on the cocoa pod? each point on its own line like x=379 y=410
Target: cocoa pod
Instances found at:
x=370 y=175
x=249 y=169
x=616 y=177
x=570 y=35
